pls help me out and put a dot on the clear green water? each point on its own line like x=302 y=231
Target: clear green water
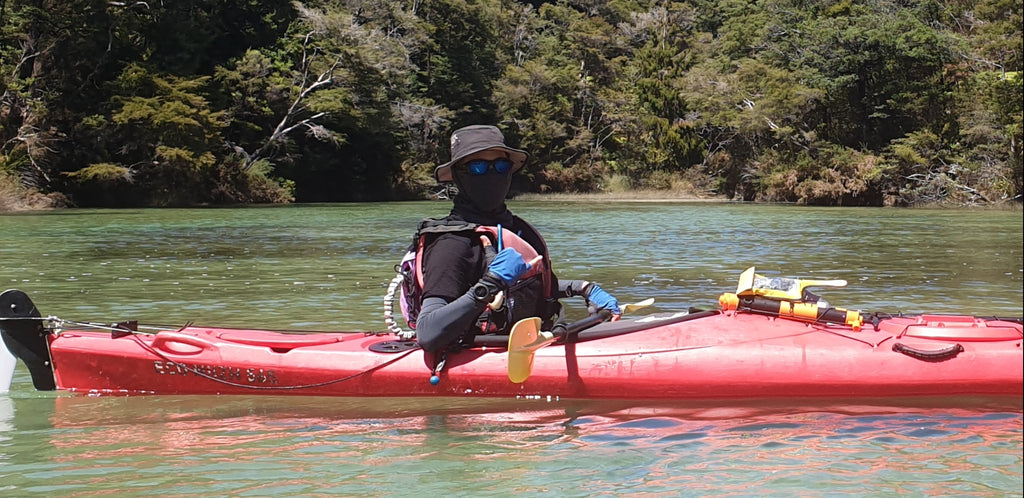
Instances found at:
x=326 y=268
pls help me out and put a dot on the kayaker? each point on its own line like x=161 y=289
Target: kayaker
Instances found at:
x=467 y=262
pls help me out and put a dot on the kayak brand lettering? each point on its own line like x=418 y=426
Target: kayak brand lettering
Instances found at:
x=219 y=372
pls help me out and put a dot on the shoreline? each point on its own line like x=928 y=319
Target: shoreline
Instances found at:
x=654 y=197
x=633 y=196
x=642 y=196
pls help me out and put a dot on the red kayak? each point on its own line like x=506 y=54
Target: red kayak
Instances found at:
x=753 y=348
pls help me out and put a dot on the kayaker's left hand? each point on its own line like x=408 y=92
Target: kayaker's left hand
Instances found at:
x=599 y=299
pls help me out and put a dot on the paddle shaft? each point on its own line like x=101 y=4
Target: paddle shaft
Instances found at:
x=567 y=331
x=578 y=326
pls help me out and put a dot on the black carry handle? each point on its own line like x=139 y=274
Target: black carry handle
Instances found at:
x=930 y=356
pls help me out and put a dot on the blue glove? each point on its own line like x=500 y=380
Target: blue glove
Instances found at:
x=601 y=300
x=508 y=266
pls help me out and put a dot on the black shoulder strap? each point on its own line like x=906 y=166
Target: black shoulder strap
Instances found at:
x=444 y=225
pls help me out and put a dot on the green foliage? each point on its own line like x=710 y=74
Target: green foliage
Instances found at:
x=828 y=175
x=235 y=184
x=463 y=57
x=988 y=148
x=834 y=102
x=882 y=70
x=918 y=167
x=102 y=173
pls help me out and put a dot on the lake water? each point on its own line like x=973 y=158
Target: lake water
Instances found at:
x=326 y=267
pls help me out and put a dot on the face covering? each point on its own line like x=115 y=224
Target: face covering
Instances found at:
x=485 y=193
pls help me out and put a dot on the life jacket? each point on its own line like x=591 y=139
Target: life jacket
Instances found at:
x=531 y=295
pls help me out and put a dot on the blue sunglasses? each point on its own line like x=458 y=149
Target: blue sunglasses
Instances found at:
x=478 y=167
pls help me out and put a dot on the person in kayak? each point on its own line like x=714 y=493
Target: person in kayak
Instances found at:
x=482 y=268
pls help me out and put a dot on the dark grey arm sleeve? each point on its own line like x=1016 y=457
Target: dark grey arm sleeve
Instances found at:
x=440 y=323
x=572 y=288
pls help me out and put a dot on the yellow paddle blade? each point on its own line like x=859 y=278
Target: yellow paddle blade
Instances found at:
x=752 y=284
x=788 y=288
x=524 y=340
x=629 y=308
x=746 y=284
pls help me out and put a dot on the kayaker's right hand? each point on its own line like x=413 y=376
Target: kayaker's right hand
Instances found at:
x=506 y=267
x=504 y=270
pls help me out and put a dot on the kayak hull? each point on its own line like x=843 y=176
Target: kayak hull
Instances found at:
x=710 y=355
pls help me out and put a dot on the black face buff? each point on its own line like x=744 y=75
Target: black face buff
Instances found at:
x=486 y=193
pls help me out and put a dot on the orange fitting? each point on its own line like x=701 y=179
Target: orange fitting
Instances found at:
x=805 y=311
x=854 y=320
x=729 y=301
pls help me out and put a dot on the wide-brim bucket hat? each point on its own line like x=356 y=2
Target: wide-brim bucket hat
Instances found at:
x=472 y=139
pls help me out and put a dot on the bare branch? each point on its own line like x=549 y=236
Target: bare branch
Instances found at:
x=32 y=140
x=126 y=4
x=288 y=123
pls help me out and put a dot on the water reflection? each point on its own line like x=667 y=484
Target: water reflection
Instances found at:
x=240 y=445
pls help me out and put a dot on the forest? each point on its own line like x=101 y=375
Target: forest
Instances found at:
x=213 y=102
